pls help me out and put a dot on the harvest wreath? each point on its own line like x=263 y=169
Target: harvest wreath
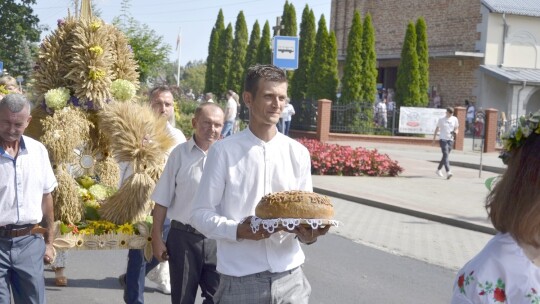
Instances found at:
x=88 y=117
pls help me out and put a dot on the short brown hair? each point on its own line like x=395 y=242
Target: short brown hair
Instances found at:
x=267 y=72
x=158 y=90
x=514 y=203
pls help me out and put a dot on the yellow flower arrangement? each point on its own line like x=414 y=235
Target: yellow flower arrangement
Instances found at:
x=95 y=25
x=97 y=50
x=3 y=90
x=96 y=74
x=126 y=229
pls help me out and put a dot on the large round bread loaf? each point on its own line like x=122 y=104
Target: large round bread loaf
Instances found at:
x=295 y=204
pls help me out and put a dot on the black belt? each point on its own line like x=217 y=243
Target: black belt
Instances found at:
x=12 y=231
x=180 y=226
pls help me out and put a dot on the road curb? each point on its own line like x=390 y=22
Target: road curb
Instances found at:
x=415 y=213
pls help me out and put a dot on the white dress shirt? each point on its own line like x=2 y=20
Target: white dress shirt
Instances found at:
x=179 y=181
x=239 y=171
x=23 y=181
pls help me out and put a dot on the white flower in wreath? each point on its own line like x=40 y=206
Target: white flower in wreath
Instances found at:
x=143 y=240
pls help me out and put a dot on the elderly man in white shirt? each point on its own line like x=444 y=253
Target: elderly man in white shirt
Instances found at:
x=192 y=257
x=256 y=267
x=27 y=181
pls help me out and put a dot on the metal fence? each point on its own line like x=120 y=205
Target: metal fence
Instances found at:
x=356 y=118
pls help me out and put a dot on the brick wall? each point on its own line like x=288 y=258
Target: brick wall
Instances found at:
x=451 y=24
x=455 y=82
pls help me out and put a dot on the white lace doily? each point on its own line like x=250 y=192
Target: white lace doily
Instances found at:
x=290 y=223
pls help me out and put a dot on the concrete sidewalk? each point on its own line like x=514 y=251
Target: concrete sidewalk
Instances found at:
x=418 y=191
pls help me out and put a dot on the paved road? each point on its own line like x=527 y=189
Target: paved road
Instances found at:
x=383 y=257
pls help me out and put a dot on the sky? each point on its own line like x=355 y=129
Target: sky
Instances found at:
x=191 y=19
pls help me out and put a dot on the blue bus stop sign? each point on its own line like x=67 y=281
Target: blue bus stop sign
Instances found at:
x=285 y=52
x=1 y=67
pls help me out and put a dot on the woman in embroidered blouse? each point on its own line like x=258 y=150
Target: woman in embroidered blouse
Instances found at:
x=507 y=270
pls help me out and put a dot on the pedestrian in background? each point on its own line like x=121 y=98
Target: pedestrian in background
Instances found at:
x=448 y=127
x=507 y=269
x=286 y=117
x=208 y=97
x=471 y=112
x=230 y=114
x=26 y=183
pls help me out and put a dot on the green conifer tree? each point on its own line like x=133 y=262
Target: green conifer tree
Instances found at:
x=352 y=73
x=300 y=79
x=251 y=54
x=288 y=20
x=223 y=61
x=213 y=49
x=331 y=63
x=264 y=51
x=369 y=61
x=423 y=60
x=236 y=72
x=320 y=70
x=407 y=85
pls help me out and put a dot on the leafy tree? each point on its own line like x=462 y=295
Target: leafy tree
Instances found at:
x=213 y=49
x=407 y=85
x=264 y=51
x=369 y=61
x=423 y=60
x=18 y=28
x=300 y=79
x=352 y=74
x=323 y=80
x=222 y=64
x=193 y=77
x=149 y=48
x=254 y=39
x=288 y=20
x=236 y=72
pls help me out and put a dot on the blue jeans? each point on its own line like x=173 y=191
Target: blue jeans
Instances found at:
x=446 y=147
x=227 y=128
x=21 y=269
x=137 y=269
x=287 y=127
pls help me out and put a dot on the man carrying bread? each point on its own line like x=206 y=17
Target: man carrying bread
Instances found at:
x=255 y=267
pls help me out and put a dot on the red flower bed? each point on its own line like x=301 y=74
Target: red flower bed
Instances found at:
x=329 y=159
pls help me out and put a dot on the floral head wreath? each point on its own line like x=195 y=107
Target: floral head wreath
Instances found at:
x=519 y=133
x=3 y=90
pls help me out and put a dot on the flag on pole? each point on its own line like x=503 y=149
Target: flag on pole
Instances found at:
x=177 y=42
